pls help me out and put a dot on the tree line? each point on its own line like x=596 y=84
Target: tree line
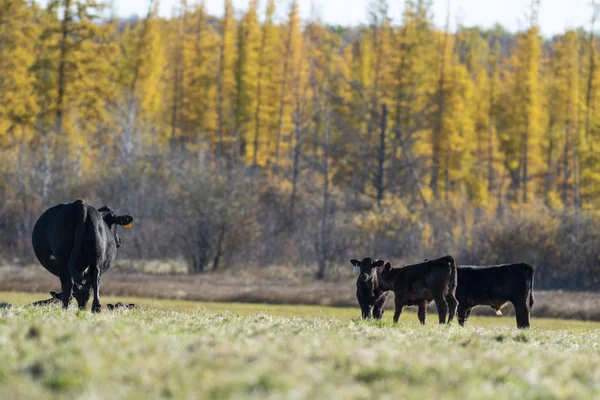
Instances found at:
x=244 y=139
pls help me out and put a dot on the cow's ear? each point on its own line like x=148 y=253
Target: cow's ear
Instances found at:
x=123 y=220
x=378 y=263
x=387 y=267
x=354 y=262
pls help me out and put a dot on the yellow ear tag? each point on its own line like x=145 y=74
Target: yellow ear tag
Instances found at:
x=127 y=226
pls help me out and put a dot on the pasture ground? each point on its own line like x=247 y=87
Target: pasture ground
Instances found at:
x=273 y=285
x=180 y=349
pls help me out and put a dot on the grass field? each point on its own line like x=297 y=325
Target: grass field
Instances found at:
x=179 y=349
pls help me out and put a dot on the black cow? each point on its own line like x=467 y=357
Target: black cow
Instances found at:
x=371 y=298
x=419 y=284
x=495 y=286
x=78 y=243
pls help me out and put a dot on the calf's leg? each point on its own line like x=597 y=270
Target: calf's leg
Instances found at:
x=379 y=308
x=398 y=308
x=522 y=313
x=365 y=310
x=422 y=313
x=442 y=306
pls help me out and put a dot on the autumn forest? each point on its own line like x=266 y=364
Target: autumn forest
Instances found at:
x=244 y=139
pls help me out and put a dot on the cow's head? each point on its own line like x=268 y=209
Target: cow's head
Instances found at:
x=366 y=265
x=81 y=292
x=113 y=220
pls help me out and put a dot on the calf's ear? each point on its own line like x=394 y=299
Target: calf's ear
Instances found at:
x=378 y=263
x=387 y=267
x=354 y=262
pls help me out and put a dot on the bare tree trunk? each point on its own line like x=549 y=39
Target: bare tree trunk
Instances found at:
x=219 y=248
x=577 y=199
x=296 y=162
x=282 y=87
x=381 y=160
x=446 y=177
x=438 y=131
x=525 y=177
x=23 y=224
x=47 y=172
x=128 y=132
x=261 y=65
x=566 y=171
x=491 y=122
x=324 y=241
x=67 y=17
x=132 y=103
x=220 y=103
x=590 y=82
x=548 y=186
x=178 y=79
x=535 y=6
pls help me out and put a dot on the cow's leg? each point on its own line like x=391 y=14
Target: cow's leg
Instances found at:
x=398 y=308
x=463 y=314
x=66 y=283
x=442 y=306
x=365 y=310
x=95 y=275
x=422 y=313
x=522 y=313
x=452 y=306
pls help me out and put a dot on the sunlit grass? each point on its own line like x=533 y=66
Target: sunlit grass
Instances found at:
x=181 y=349
x=283 y=310
x=48 y=352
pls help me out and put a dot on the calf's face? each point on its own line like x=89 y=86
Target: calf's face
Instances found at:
x=366 y=265
x=113 y=220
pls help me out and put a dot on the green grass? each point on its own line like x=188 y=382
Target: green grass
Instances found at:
x=188 y=350
x=284 y=310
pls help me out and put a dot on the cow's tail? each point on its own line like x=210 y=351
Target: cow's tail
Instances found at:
x=453 y=277
x=531 y=299
x=80 y=217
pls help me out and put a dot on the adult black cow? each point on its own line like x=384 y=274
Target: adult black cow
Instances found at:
x=371 y=298
x=495 y=286
x=78 y=243
x=419 y=284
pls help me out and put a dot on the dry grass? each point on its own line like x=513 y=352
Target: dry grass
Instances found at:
x=270 y=285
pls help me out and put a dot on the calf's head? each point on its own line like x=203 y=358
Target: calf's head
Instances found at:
x=368 y=280
x=387 y=278
x=113 y=220
x=366 y=266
